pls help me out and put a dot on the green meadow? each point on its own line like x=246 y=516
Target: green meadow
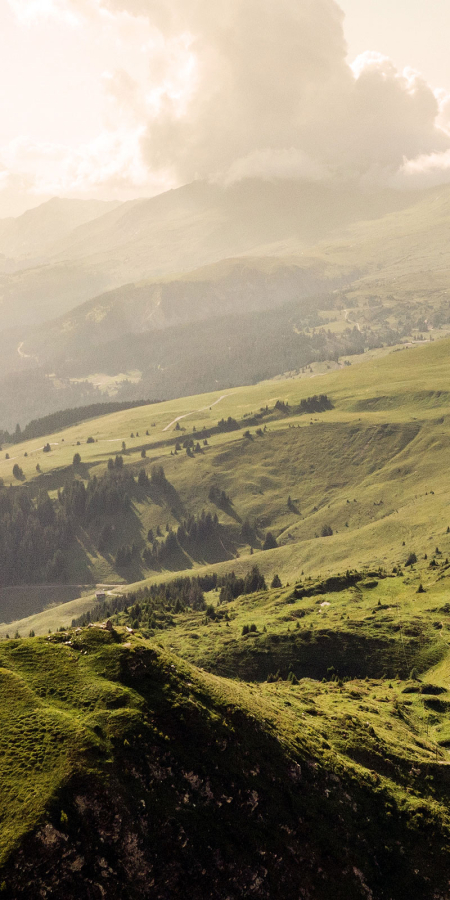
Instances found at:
x=372 y=469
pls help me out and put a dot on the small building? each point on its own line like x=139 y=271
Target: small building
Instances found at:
x=100 y=595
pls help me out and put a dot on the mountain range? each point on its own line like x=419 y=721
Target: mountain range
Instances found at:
x=90 y=287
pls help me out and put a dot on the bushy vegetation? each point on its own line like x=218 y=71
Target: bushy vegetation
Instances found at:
x=231 y=586
x=315 y=404
x=152 y=606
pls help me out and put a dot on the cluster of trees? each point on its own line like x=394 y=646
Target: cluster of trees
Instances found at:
x=125 y=556
x=36 y=534
x=153 y=607
x=234 y=350
x=219 y=498
x=249 y=534
x=283 y=407
x=34 y=537
x=158 y=477
x=160 y=550
x=190 y=446
x=316 y=404
x=105 y=496
x=229 y=424
x=232 y=587
x=198 y=530
x=249 y=629
x=192 y=534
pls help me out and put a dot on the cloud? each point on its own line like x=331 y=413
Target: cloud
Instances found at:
x=235 y=89
x=30 y=11
x=427 y=170
x=110 y=163
x=274 y=94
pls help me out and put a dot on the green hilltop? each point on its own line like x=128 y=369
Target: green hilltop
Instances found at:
x=125 y=767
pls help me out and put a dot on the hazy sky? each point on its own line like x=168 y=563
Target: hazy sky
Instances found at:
x=121 y=98
x=412 y=32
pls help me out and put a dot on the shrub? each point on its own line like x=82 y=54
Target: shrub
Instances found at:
x=412 y=558
x=276 y=583
x=327 y=531
x=90 y=440
x=76 y=459
x=143 y=479
x=270 y=542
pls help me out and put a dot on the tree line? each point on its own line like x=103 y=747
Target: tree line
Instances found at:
x=153 y=607
x=64 y=418
x=36 y=533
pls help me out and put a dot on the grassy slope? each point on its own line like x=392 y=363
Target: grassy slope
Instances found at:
x=385 y=446
x=116 y=751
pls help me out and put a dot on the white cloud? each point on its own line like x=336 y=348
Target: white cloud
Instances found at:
x=229 y=90
x=427 y=170
x=274 y=94
x=30 y=11
x=111 y=165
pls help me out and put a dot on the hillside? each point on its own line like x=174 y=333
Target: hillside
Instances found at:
x=369 y=470
x=368 y=284
x=204 y=222
x=126 y=769
x=30 y=237
x=179 y=231
x=277 y=654
x=248 y=287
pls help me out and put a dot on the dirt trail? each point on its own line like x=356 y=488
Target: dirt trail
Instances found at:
x=203 y=409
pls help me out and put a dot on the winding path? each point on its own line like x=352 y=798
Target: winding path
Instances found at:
x=203 y=409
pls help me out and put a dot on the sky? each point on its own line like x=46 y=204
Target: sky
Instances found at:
x=116 y=99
